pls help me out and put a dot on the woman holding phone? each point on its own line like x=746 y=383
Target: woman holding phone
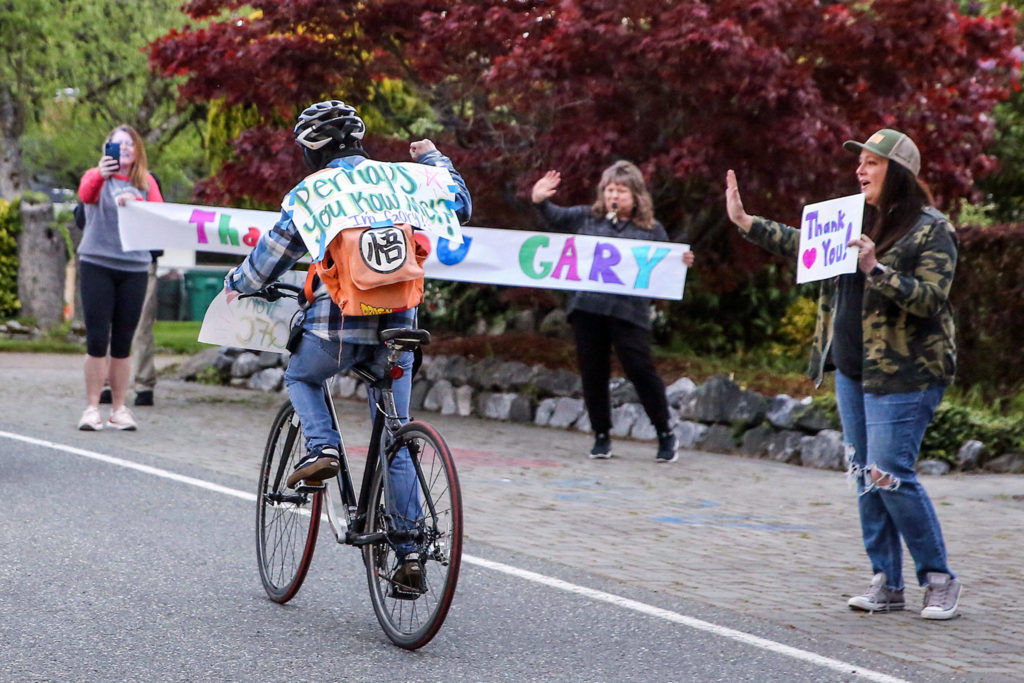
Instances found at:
x=113 y=280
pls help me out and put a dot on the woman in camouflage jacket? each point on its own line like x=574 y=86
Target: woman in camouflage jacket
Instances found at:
x=887 y=330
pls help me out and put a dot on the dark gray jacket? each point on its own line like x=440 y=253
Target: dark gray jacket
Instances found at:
x=581 y=220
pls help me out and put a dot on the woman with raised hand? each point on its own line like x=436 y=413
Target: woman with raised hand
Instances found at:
x=887 y=331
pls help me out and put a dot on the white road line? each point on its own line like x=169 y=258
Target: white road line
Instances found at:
x=619 y=601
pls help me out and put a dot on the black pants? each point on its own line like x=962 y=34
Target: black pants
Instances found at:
x=595 y=337
x=111 y=305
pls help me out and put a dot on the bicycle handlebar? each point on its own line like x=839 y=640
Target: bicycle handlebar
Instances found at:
x=275 y=291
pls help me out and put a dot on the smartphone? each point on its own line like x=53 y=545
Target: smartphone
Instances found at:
x=113 y=149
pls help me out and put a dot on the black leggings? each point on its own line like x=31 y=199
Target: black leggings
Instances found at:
x=111 y=304
x=595 y=336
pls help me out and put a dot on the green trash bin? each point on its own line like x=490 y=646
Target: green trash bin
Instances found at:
x=201 y=287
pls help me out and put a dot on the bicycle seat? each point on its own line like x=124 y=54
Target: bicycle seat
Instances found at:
x=406 y=338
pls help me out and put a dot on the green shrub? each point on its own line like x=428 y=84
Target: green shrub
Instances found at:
x=10 y=228
x=956 y=424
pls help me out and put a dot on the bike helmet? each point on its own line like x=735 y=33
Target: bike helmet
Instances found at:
x=327 y=122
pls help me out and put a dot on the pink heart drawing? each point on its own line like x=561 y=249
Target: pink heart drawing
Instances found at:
x=809 y=256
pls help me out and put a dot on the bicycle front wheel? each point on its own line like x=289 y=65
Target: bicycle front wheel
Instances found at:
x=287 y=521
x=429 y=529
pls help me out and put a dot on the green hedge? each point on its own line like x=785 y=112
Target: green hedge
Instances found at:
x=10 y=228
x=987 y=295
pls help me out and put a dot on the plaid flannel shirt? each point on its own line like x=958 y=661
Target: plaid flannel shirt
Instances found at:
x=282 y=247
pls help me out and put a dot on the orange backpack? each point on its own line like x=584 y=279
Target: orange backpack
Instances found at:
x=371 y=271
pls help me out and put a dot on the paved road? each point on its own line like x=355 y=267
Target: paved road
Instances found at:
x=760 y=547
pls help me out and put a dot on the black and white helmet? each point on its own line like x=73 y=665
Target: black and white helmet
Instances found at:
x=327 y=122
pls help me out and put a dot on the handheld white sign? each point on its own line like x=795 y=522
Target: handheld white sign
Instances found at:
x=251 y=323
x=825 y=230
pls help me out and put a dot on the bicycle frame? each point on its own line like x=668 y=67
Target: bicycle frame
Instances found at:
x=348 y=529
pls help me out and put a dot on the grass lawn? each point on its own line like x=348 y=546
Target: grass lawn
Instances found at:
x=171 y=336
x=178 y=336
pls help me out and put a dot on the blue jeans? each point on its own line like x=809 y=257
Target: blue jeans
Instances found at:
x=317 y=359
x=883 y=434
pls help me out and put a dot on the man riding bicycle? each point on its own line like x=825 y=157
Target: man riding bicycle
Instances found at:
x=330 y=135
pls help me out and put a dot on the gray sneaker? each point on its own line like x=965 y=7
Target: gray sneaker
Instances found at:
x=941 y=596
x=878 y=597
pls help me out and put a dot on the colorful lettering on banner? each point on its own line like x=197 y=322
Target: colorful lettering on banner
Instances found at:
x=602 y=259
x=517 y=258
x=825 y=230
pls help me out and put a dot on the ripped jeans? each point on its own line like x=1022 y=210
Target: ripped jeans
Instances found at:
x=883 y=434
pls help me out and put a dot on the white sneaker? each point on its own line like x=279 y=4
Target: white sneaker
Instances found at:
x=91 y=420
x=122 y=419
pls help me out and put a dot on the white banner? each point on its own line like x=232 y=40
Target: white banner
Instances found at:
x=825 y=230
x=373 y=194
x=518 y=258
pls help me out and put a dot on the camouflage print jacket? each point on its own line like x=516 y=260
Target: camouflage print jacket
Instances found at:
x=907 y=321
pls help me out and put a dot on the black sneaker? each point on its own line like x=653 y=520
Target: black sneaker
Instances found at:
x=144 y=397
x=602 y=449
x=409 y=581
x=666 y=448
x=105 y=396
x=320 y=463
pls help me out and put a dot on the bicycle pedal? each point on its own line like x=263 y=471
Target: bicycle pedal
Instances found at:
x=310 y=486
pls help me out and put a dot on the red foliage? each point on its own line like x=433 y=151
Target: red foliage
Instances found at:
x=687 y=89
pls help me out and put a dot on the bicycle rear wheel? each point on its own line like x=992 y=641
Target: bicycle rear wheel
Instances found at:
x=287 y=521
x=437 y=537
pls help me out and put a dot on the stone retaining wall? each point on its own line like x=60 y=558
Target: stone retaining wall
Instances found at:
x=717 y=416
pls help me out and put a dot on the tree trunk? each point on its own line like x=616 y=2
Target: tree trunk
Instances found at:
x=12 y=125
x=42 y=259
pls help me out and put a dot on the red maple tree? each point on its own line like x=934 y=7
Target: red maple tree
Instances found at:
x=685 y=88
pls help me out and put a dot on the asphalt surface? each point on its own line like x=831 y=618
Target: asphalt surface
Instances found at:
x=713 y=568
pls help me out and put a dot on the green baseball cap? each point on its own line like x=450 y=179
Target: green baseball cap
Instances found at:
x=892 y=145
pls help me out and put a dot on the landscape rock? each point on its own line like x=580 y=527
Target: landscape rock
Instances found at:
x=439 y=395
x=780 y=411
x=624 y=417
x=268 y=380
x=679 y=391
x=245 y=365
x=690 y=434
x=1007 y=463
x=464 y=400
x=719 y=438
x=558 y=382
x=567 y=411
x=784 y=446
x=932 y=467
x=755 y=441
x=824 y=450
x=971 y=455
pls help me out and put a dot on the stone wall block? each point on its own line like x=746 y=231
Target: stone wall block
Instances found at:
x=245 y=365
x=567 y=411
x=268 y=379
x=824 y=450
x=438 y=394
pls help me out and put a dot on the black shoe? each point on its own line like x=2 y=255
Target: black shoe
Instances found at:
x=144 y=397
x=409 y=580
x=602 y=449
x=105 y=396
x=666 y=448
x=320 y=463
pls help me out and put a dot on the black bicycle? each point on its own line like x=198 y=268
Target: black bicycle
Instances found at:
x=288 y=520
